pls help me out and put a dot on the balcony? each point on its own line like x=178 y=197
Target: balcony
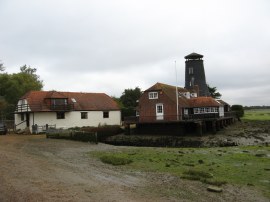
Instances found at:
x=61 y=107
x=22 y=108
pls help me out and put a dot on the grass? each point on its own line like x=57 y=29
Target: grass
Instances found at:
x=249 y=165
x=115 y=160
x=257 y=114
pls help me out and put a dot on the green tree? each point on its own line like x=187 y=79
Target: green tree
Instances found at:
x=14 y=86
x=213 y=92
x=239 y=109
x=130 y=96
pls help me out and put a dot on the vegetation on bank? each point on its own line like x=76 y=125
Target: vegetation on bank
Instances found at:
x=257 y=114
x=249 y=165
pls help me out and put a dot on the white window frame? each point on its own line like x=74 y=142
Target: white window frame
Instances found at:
x=205 y=110
x=153 y=95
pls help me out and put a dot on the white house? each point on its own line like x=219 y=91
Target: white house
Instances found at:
x=66 y=109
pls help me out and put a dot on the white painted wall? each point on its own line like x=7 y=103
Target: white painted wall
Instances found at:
x=18 y=120
x=72 y=119
x=221 y=111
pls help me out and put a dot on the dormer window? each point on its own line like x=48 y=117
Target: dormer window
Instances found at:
x=59 y=101
x=153 y=95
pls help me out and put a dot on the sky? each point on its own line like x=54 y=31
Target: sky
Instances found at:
x=111 y=45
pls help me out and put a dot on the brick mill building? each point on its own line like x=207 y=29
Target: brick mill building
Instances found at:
x=169 y=109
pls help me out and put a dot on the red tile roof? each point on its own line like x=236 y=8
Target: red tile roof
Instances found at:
x=81 y=101
x=203 y=102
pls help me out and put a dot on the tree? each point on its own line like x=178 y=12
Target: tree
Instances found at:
x=213 y=92
x=13 y=86
x=238 y=109
x=130 y=96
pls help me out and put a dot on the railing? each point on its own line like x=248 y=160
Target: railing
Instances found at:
x=230 y=114
x=164 y=118
x=62 y=107
x=23 y=108
x=36 y=129
x=201 y=116
x=38 y=107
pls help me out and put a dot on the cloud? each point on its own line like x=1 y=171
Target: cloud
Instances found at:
x=112 y=45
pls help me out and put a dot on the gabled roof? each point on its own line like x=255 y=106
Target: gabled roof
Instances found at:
x=55 y=94
x=81 y=101
x=170 y=91
x=222 y=102
x=203 y=102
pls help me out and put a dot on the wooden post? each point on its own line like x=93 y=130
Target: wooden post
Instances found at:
x=199 y=128
x=214 y=127
x=204 y=129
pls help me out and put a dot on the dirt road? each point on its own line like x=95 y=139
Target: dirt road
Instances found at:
x=33 y=168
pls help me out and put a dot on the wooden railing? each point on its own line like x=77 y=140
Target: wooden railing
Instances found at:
x=23 y=108
x=137 y=119
x=38 y=107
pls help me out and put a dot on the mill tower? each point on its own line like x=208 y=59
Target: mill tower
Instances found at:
x=194 y=74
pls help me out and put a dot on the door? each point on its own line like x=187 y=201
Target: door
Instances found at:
x=159 y=112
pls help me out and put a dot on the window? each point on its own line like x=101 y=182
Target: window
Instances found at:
x=196 y=110
x=22 y=117
x=153 y=95
x=84 y=115
x=190 y=70
x=192 y=81
x=202 y=110
x=60 y=115
x=105 y=115
x=159 y=109
x=59 y=101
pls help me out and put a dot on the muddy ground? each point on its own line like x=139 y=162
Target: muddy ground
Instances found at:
x=33 y=168
x=238 y=134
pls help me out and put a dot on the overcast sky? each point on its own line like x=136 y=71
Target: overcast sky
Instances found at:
x=111 y=45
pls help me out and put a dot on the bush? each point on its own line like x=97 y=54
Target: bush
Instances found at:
x=109 y=159
x=102 y=131
x=238 y=109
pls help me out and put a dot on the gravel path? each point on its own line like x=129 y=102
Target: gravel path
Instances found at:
x=33 y=168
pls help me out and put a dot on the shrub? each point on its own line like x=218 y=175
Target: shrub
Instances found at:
x=238 y=109
x=113 y=160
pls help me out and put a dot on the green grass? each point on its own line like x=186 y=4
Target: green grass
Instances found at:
x=249 y=166
x=257 y=114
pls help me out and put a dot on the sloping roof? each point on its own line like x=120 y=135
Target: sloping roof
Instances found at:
x=81 y=101
x=193 y=56
x=203 y=102
x=222 y=102
x=55 y=94
x=170 y=92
